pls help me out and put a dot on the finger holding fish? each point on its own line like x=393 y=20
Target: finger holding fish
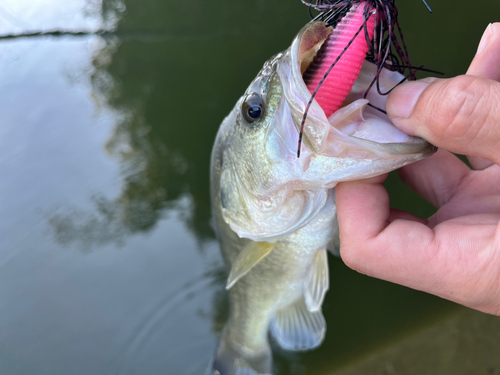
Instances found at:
x=455 y=260
x=485 y=64
x=435 y=178
x=455 y=254
x=459 y=114
x=438 y=177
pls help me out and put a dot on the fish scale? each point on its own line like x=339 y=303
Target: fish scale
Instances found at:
x=341 y=78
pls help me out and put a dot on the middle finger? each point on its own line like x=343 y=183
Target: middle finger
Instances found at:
x=435 y=178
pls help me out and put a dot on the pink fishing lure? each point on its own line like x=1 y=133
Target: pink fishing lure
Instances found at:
x=338 y=83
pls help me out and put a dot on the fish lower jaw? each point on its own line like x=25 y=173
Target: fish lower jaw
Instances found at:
x=361 y=122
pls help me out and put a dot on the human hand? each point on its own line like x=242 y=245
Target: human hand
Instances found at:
x=455 y=254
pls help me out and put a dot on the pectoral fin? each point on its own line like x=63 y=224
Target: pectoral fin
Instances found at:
x=317 y=282
x=250 y=256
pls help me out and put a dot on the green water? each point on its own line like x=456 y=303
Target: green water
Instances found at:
x=108 y=263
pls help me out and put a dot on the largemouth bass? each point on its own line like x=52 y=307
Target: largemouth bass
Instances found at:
x=275 y=213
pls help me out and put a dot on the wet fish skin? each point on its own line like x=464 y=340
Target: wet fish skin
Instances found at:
x=266 y=201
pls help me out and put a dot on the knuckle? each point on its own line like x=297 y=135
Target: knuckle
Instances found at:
x=453 y=108
x=348 y=255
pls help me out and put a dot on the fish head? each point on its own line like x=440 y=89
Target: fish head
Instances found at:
x=266 y=191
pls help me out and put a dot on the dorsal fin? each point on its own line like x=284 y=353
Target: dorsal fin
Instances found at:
x=250 y=256
x=317 y=282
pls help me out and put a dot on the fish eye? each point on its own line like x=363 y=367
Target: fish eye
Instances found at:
x=252 y=108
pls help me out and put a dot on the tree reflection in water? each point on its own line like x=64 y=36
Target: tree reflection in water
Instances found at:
x=169 y=95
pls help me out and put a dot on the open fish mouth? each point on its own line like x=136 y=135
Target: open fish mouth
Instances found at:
x=367 y=126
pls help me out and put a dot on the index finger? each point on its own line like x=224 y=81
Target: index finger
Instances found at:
x=449 y=260
x=459 y=114
x=369 y=242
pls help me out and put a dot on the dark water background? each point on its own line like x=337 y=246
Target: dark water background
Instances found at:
x=108 y=263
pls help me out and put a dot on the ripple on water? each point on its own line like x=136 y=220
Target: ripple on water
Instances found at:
x=158 y=340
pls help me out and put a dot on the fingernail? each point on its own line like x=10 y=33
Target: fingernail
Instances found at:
x=488 y=33
x=402 y=100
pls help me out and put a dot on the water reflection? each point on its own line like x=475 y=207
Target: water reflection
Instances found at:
x=164 y=163
x=79 y=144
x=160 y=162
x=161 y=168
x=162 y=99
x=109 y=11
x=18 y=16
x=162 y=93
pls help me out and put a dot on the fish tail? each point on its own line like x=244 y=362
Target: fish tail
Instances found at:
x=232 y=359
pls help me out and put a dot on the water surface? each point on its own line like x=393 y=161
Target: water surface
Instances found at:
x=108 y=263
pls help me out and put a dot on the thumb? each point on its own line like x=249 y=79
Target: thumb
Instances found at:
x=460 y=114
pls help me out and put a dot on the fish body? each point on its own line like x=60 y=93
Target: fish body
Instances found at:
x=275 y=214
